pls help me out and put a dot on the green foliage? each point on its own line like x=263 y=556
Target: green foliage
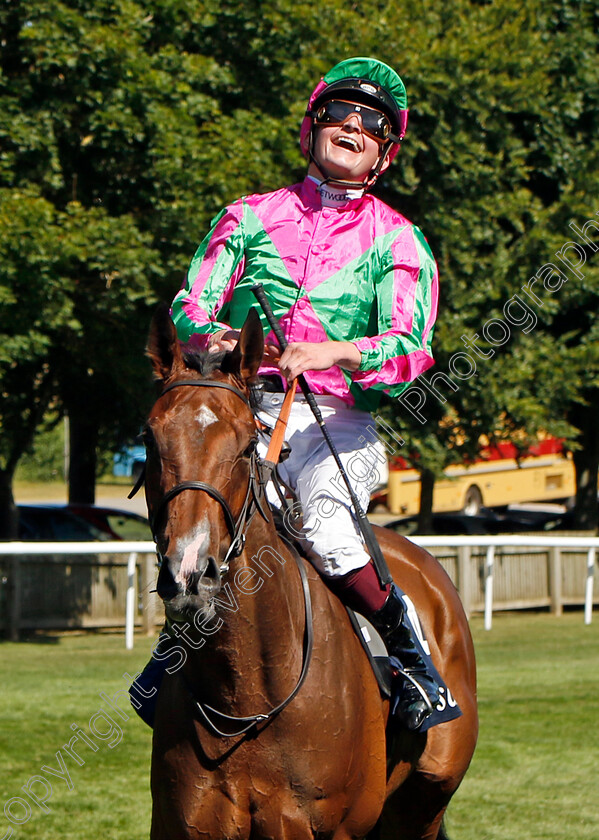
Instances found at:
x=125 y=126
x=501 y=156
x=46 y=460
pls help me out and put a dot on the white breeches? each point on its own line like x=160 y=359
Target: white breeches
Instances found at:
x=330 y=532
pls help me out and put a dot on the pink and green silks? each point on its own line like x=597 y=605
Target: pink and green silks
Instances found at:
x=357 y=272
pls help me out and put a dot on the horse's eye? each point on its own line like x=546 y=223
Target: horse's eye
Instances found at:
x=248 y=451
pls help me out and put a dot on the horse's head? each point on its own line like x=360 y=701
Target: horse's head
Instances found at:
x=200 y=440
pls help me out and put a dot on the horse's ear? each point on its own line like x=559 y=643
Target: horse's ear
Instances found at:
x=246 y=358
x=163 y=347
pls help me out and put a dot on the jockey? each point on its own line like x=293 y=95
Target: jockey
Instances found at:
x=353 y=285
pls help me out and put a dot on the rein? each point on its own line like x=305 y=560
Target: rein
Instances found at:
x=237 y=529
x=250 y=721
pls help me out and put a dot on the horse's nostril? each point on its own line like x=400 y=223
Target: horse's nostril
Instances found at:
x=211 y=571
x=166 y=586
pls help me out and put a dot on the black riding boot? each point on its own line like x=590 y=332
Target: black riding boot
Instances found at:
x=415 y=704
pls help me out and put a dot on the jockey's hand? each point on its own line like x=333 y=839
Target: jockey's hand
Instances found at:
x=308 y=355
x=223 y=340
x=272 y=354
x=227 y=340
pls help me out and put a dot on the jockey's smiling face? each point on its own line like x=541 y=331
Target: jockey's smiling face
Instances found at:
x=345 y=151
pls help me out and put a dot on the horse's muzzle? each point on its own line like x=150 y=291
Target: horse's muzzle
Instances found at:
x=201 y=583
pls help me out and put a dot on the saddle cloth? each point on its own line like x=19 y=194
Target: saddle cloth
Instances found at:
x=384 y=665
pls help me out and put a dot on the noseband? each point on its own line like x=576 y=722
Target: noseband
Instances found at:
x=236 y=527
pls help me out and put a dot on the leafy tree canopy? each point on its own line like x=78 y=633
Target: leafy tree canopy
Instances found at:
x=125 y=125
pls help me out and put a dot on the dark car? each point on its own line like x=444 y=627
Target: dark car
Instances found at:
x=501 y=521
x=54 y=523
x=117 y=524
x=542 y=522
x=447 y=524
x=79 y=523
x=537 y=519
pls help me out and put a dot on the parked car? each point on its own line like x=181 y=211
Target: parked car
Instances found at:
x=54 y=523
x=79 y=523
x=446 y=524
x=522 y=520
x=489 y=521
x=118 y=524
x=547 y=521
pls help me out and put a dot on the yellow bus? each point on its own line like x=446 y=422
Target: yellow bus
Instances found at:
x=498 y=478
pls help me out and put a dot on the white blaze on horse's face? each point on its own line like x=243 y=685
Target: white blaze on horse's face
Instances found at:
x=192 y=548
x=205 y=417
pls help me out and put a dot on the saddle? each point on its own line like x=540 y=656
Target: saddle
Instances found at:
x=385 y=666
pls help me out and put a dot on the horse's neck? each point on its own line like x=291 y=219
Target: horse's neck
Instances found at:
x=260 y=622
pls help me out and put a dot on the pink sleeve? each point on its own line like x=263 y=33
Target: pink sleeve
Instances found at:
x=215 y=269
x=407 y=295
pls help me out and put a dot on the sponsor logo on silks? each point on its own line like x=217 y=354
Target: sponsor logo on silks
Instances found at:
x=335 y=196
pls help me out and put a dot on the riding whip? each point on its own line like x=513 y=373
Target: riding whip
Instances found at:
x=364 y=525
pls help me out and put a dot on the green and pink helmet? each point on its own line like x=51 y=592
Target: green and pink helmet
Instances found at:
x=366 y=81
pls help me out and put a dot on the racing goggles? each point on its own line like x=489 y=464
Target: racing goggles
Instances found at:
x=336 y=111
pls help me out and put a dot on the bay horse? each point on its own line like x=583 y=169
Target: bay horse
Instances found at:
x=272 y=726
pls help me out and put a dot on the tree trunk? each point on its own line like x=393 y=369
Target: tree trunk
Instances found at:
x=586 y=466
x=425 y=514
x=9 y=520
x=83 y=438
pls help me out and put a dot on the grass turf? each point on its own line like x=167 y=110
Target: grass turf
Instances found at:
x=531 y=777
x=534 y=771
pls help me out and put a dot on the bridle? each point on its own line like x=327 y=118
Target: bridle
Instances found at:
x=254 y=499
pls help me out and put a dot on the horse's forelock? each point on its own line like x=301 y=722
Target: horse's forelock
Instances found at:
x=203 y=362
x=206 y=364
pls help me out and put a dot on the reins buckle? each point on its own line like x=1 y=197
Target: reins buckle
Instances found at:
x=239 y=543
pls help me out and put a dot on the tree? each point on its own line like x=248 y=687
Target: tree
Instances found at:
x=127 y=124
x=122 y=119
x=502 y=161
x=30 y=299
x=74 y=278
